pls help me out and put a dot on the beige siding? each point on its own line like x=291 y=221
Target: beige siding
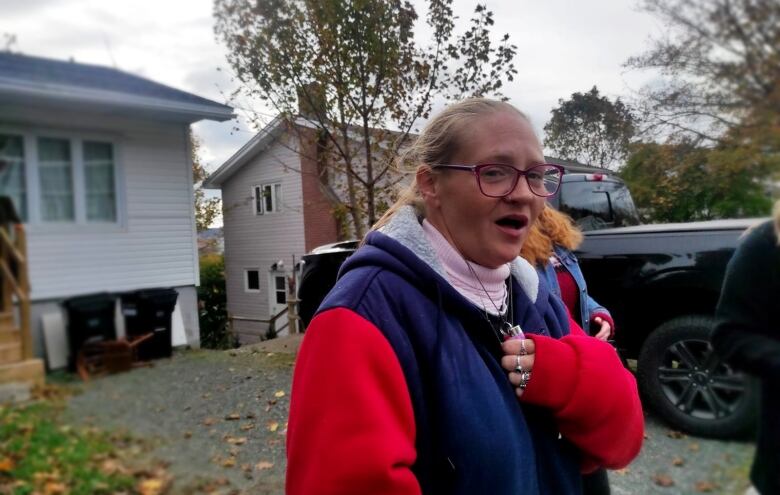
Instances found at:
x=153 y=245
x=258 y=241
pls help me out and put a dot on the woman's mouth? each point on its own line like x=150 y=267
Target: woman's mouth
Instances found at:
x=512 y=224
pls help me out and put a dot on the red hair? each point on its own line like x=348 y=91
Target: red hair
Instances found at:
x=552 y=227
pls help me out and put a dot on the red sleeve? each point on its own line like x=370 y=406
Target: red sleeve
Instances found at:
x=351 y=428
x=594 y=398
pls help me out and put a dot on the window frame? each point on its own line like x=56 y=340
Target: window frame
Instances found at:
x=246 y=280
x=30 y=138
x=276 y=193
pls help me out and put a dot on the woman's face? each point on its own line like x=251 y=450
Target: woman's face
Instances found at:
x=487 y=231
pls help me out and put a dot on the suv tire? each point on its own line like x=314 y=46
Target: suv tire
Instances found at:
x=689 y=386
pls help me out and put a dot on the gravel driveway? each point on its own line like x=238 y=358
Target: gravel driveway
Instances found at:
x=218 y=419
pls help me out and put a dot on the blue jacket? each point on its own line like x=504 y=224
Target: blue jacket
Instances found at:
x=473 y=436
x=398 y=386
x=588 y=306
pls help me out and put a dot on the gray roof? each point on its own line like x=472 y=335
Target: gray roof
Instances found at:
x=43 y=73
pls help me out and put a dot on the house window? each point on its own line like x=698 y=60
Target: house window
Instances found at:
x=99 y=182
x=279 y=288
x=267 y=198
x=71 y=180
x=252 y=279
x=12 y=171
x=55 y=171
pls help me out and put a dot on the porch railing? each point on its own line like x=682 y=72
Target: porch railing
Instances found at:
x=15 y=285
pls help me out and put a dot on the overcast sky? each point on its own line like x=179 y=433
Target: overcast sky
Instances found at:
x=563 y=47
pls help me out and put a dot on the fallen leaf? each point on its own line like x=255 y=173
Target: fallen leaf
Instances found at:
x=647 y=437
x=675 y=434
x=273 y=426
x=6 y=464
x=663 y=480
x=233 y=417
x=704 y=486
x=264 y=465
x=693 y=447
x=279 y=394
x=209 y=421
x=247 y=427
x=151 y=486
x=187 y=434
x=229 y=462
x=678 y=461
x=110 y=467
x=270 y=354
x=250 y=416
x=246 y=468
x=622 y=472
x=236 y=440
x=52 y=488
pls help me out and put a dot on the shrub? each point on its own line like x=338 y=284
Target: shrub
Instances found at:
x=212 y=304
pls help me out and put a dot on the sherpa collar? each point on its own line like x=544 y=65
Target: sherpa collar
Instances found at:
x=405 y=228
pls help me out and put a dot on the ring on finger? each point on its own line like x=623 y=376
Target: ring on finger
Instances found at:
x=525 y=377
x=518 y=366
x=523 y=350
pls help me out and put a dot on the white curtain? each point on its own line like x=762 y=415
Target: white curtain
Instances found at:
x=99 y=179
x=12 y=183
x=55 y=170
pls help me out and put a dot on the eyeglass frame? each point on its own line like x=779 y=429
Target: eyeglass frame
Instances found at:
x=524 y=173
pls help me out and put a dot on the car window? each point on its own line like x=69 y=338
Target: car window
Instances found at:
x=598 y=204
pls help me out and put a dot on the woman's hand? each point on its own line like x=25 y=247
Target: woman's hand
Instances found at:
x=606 y=329
x=518 y=359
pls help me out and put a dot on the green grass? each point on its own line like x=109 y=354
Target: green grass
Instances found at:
x=37 y=450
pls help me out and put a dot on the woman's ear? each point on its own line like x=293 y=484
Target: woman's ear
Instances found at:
x=426 y=184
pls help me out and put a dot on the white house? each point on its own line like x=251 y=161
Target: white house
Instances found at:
x=273 y=212
x=101 y=173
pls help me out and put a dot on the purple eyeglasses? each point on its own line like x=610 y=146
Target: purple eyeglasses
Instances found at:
x=497 y=180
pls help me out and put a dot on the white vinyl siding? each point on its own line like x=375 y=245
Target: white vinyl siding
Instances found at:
x=152 y=241
x=253 y=240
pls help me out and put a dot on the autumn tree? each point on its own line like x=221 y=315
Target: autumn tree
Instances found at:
x=206 y=209
x=357 y=74
x=591 y=129
x=720 y=67
x=683 y=182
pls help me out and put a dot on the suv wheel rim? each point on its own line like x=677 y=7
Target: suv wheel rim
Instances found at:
x=696 y=382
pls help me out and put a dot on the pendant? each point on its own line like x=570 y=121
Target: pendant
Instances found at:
x=513 y=332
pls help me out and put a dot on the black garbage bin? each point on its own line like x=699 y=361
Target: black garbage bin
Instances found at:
x=90 y=318
x=150 y=311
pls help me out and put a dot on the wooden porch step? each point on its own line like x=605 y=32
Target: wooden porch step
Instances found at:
x=10 y=335
x=28 y=371
x=10 y=353
x=7 y=319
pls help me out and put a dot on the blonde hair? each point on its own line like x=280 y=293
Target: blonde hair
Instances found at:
x=552 y=227
x=438 y=143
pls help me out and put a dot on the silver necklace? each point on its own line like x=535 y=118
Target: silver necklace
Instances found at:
x=507 y=329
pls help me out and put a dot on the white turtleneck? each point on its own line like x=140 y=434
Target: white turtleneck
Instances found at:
x=493 y=286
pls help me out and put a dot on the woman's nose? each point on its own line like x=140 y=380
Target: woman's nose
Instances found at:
x=521 y=192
